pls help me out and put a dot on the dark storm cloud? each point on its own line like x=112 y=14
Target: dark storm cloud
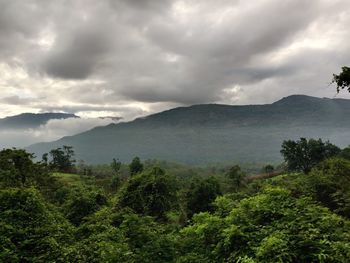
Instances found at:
x=20 y=22
x=101 y=54
x=78 y=56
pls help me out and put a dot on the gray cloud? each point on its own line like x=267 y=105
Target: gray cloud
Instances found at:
x=16 y=100
x=77 y=54
x=131 y=57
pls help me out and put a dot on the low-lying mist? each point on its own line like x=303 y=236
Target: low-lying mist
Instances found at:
x=52 y=130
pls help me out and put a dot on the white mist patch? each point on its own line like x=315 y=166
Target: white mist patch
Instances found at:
x=52 y=130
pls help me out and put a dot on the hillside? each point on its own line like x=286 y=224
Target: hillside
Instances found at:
x=31 y=120
x=214 y=133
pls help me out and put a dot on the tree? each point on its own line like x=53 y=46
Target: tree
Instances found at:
x=62 y=159
x=329 y=185
x=115 y=181
x=303 y=155
x=236 y=176
x=17 y=169
x=268 y=169
x=31 y=230
x=116 y=165
x=45 y=158
x=345 y=153
x=152 y=193
x=82 y=203
x=201 y=195
x=272 y=226
x=342 y=80
x=135 y=166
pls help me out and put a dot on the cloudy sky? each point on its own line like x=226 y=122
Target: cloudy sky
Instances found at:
x=133 y=57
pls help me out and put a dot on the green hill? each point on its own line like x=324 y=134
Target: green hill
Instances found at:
x=214 y=133
x=31 y=120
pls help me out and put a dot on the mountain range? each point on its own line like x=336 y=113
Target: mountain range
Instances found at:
x=31 y=120
x=211 y=133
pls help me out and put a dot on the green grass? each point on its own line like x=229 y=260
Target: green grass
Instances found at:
x=69 y=179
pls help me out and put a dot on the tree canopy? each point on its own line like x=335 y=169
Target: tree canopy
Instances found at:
x=173 y=213
x=135 y=166
x=62 y=159
x=31 y=231
x=150 y=193
x=303 y=154
x=342 y=80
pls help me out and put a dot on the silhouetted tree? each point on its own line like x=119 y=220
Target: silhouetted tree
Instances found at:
x=342 y=80
x=45 y=158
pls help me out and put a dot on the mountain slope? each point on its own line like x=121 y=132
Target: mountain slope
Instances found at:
x=31 y=120
x=214 y=133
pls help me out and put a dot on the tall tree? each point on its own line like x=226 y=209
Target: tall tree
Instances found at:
x=236 y=175
x=62 y=159
x=304 y=154
x=116 y=165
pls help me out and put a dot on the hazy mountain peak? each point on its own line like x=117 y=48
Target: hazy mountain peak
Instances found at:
x=299 y=98
x=32 y=120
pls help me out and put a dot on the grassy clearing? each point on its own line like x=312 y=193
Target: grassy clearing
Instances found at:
x=69 y=179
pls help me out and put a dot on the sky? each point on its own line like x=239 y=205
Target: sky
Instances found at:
x=130 y=58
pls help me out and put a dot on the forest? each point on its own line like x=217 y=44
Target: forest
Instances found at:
x=62 y=210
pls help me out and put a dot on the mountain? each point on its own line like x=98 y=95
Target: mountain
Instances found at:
x=31 y=120
x=211 y=133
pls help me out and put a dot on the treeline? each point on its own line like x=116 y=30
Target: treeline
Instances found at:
x=58 y=210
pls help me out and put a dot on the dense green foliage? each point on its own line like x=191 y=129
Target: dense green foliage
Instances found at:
x=135 y=166
x=303 y=155
x=30 y=230
x=62 y=159
x=272 y=226
x=173 y=213
x=201 y=195
x=152 y=194
x=236 y=176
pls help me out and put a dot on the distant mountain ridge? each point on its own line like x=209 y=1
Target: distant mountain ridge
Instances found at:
x=31 y=120
x=206 y=133
x=289 y=108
